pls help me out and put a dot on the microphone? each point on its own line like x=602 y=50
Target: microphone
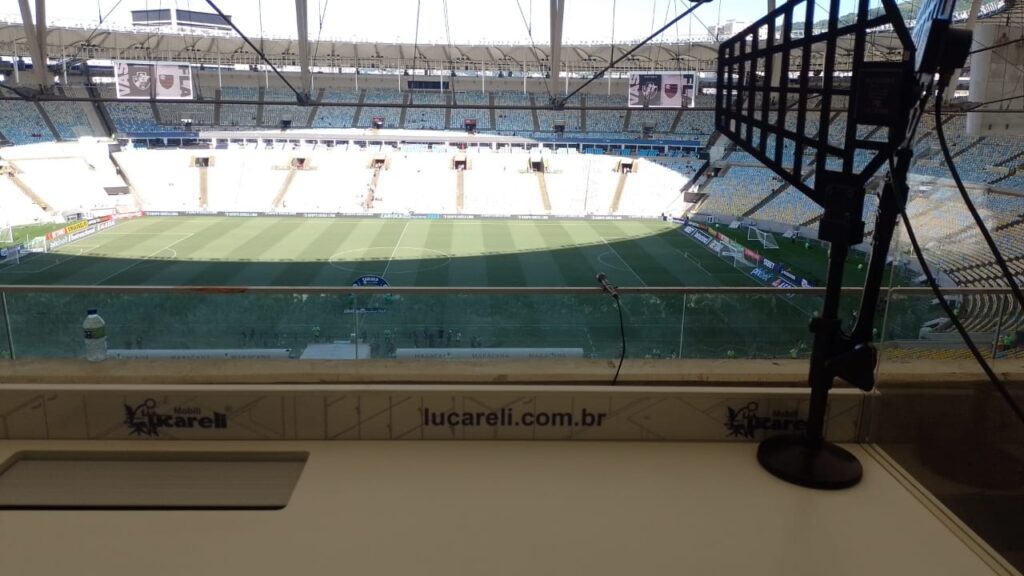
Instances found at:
x=613 y=291
x=609 y=289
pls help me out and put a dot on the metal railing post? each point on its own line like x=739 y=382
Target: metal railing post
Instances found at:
x=7 y=323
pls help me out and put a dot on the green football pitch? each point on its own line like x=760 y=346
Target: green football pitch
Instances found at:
x=232 y=251
x=329 y=252
x=285 y=251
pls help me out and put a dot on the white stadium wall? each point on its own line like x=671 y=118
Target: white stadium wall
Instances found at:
x=996 y=75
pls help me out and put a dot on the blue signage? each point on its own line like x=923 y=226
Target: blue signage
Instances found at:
x=371 y=280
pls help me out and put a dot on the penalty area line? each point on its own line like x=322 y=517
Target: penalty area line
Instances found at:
x=623 y=260
x=143 y=259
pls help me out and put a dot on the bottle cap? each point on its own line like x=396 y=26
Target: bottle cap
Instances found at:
x=91 y=311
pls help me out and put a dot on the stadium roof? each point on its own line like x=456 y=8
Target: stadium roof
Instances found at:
x=211 y=47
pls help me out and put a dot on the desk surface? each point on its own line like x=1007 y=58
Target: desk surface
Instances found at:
x=488 y=508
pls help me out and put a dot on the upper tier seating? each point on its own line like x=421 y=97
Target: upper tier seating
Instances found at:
x=274 y=114
x=738 y=190
x=336 y=116
x=517 y=121
x=198 y=113
x=660 y=119
x=392 y=115
x=482 y=116
x=605 y=121
x=70 y=118
x=426 y=118
x=21 y=123
x=239 y=114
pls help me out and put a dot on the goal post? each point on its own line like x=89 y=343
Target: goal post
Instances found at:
x=10 y=255
x=767 y=239
x=6 y=235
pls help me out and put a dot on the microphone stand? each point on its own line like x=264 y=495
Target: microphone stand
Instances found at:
x=613 y=291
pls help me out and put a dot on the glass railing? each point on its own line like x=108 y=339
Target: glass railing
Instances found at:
x=940 y=420
x=374 y=323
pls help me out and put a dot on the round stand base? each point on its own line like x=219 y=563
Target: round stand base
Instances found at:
x=827 y=467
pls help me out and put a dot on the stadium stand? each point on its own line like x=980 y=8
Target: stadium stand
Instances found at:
x=661 y=120
x=48 y=177
x=568 y=118
x=498 y=184
x=129 y=117
x=274 y=114
x=737 y=190
x=15 y=206
x=400 y=188
x=567 y=183
x=392 y=116
x=239 y=114
x=198 y=113
x=163 y=179
x=791 y=206
x=513 y=121
x=70 y=118
x=698 y=124
x=605 y=122
x=336 y=116
x=1015 y=181
x=21 y=123
x=656 y=187
x=426 y=118
x=334 y=181
x=245 y=180
x=460 y=115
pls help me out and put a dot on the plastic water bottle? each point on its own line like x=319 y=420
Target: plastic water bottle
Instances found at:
x=95 y=331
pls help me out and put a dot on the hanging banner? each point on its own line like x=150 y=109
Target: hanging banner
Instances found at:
x=662 y=89
x=149 y=80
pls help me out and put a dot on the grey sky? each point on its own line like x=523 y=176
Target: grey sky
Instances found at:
x=497 y=21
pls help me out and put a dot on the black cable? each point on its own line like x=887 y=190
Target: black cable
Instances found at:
x=999 y=101
x=622 y=335
x=300 y=96
x=994 y=46
x=16 y=92
x=693 y=6
x=102 y=18
x=416 y=39
x=533 y=48
x=999 y=386
x=323 y=14
x=1000 y=261
x=451 y=51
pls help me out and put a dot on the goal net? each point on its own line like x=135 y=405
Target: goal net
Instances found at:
x=765 y=238
x=735 y=257
x=8 y=251
x=10 y=255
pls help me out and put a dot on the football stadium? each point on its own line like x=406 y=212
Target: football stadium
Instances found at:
x=297 y=222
